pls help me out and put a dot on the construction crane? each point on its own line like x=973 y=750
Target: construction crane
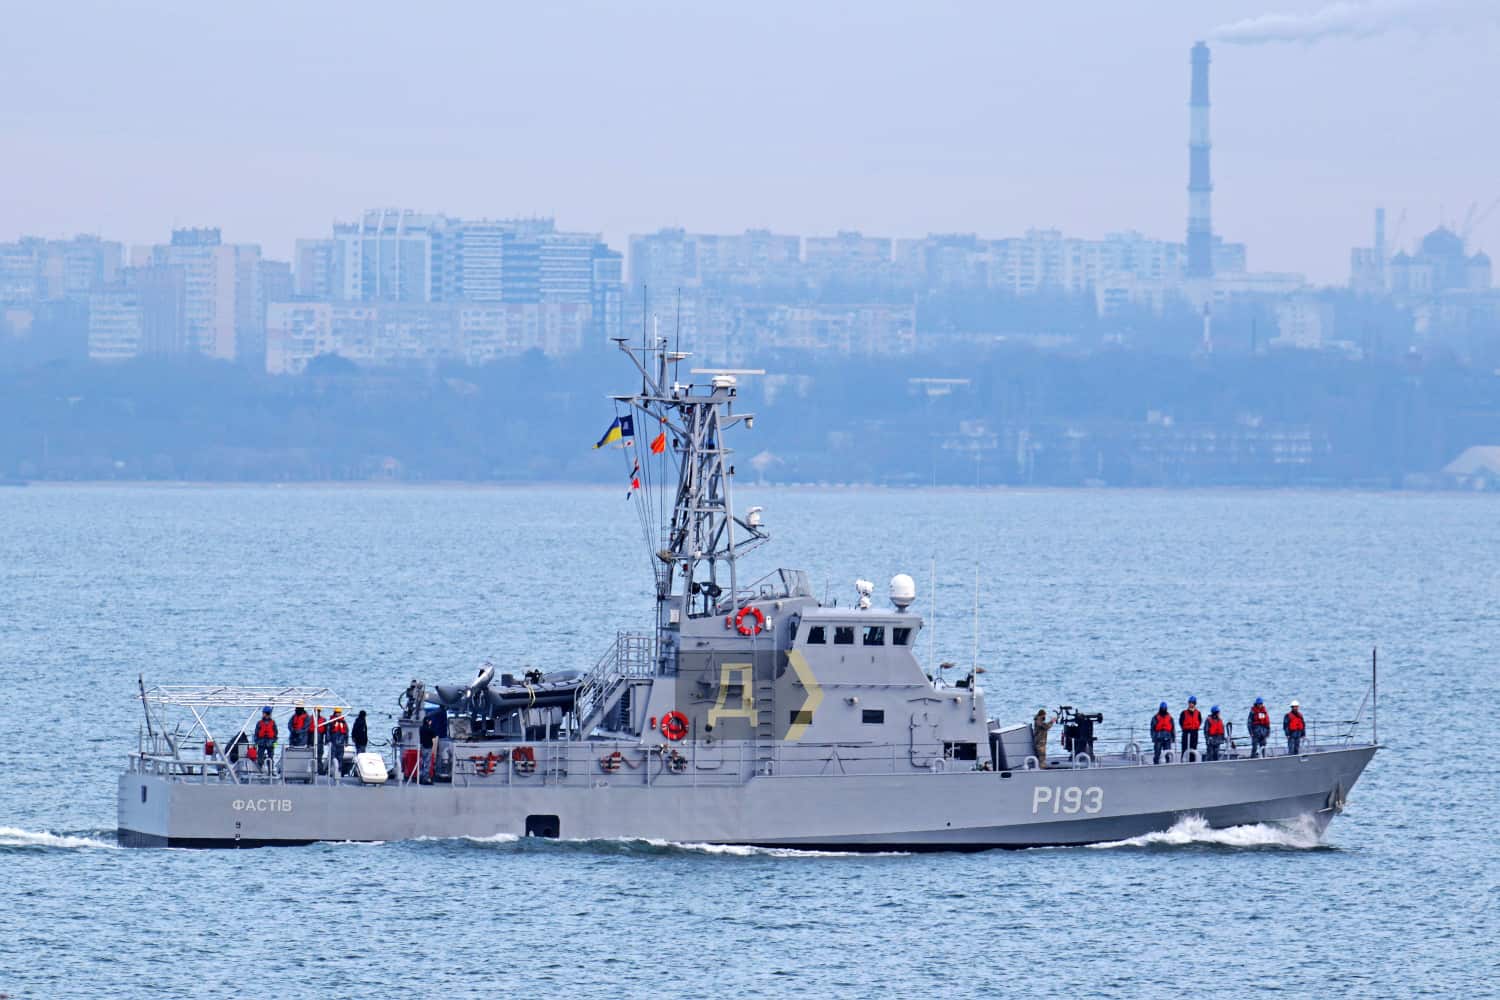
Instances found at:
x=1475 y=218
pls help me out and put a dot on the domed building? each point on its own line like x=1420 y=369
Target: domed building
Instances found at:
x=1439 y=265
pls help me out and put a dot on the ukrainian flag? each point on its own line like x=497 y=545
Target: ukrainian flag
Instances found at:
x=623 y=428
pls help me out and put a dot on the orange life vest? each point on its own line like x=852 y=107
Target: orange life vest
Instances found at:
x=1259 y=716
x=300 y=721
x=1162 y=723
x=338 y=726
x=1192 y=719
x=265 y=729
x=1215 y=726
x=1294 y=723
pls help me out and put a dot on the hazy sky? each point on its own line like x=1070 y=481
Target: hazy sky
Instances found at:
x=270 y=119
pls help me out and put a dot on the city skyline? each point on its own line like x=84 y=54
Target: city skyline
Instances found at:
x=704 y=132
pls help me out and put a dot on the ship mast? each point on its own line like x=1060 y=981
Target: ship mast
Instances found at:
x=696 y=555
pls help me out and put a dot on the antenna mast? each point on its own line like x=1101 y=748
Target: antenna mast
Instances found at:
x=696 y=563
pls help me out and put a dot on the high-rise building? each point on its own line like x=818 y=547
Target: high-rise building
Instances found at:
x=848 y=258
x=223 y=308
x=385 y=257
x=607 y=292
x=140 y=314
x=36 y=270
x=313 y=268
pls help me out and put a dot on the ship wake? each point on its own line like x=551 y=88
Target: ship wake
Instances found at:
x=14 y=838
x=628 y=846
x=1194 y=831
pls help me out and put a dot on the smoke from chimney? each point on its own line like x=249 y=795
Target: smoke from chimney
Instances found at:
x=1351 y=20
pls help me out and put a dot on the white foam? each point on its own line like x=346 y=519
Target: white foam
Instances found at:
x=494 y=838
x=1190 y=830
x=11 y=836
x=744 y=851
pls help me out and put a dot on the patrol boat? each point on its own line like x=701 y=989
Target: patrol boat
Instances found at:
x=751 y=713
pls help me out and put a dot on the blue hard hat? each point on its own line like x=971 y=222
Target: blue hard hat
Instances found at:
x=265 y=709
x=1260 y=701
x=1214 y=710
x=1192 y=699
x=1163 y=704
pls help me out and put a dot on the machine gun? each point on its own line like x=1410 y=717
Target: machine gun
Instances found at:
x=1078 y=729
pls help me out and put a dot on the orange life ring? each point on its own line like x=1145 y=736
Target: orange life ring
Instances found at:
x=674 y=725
x=524 y=759
x=754 y=628
x=611 y=762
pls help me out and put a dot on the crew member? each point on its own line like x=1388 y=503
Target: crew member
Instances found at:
x=319 y=735
x=427 y=737
x=1293 y=727
x=338 y=735
x=299 y=727
x=1215 y=734
x=361 y=732
x=1190 y=721
x=265 y=740
x=1039 y=729
x=1260 y=727
x=1162 y=733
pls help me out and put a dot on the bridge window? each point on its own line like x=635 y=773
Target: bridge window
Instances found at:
x=843 y=635
x=901 y=636
x=874 y=635
x=962 y=751
x=816 y=636
x=873 y=717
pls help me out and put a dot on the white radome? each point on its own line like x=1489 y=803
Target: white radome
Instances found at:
x=903 y=591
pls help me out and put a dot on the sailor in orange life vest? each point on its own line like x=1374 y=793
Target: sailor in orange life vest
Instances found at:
x=1190 y=721
x=1260 y=727
x=265 y=740
x=1214 y=735
x=1161 y=733
x=338 y=735
x=299 y=727
x=1293 y=727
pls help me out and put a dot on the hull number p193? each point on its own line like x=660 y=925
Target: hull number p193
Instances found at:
x=1071 y=799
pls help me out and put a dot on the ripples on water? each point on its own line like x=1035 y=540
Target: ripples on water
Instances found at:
x=1112 y=600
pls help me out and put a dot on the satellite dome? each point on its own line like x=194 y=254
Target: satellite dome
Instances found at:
x=903 y=591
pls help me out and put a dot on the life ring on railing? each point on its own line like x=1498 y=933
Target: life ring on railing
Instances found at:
x=524 y=759
x=674 y=725
x=756 y=627
x=610 y=762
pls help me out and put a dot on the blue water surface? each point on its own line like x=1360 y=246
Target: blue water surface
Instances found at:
x=1108 y=600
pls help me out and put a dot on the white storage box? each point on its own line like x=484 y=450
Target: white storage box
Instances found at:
x=371 y=768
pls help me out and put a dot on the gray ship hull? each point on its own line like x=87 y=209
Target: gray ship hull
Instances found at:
x=955 y=810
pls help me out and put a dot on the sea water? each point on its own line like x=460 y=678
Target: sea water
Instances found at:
x=1110 y=601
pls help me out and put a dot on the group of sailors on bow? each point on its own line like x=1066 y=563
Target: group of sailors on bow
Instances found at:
x=1191 y=722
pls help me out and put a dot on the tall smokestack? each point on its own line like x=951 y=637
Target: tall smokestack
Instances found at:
x=1200 y=228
